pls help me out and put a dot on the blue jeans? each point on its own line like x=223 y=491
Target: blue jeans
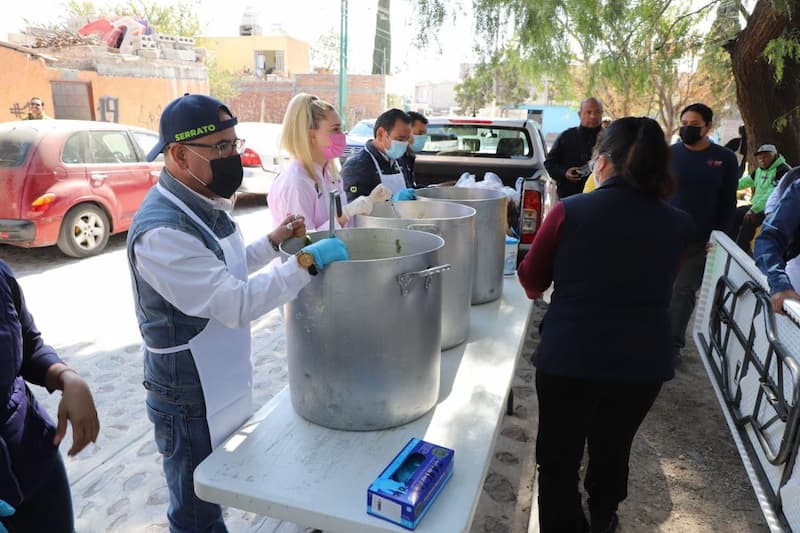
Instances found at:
x=177 y=410
x=49 y=509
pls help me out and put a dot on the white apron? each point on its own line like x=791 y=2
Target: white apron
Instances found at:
x=221 y=354
x=395 y=182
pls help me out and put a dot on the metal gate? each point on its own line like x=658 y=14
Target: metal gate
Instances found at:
x=72 y=100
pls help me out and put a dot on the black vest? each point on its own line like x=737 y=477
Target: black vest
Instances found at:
x=617 y=257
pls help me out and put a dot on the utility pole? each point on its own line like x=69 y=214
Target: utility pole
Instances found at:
x=343 y=65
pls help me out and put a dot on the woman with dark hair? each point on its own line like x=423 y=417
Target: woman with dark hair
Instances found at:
x=605 y=340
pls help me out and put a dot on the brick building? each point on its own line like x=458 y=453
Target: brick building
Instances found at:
x=266 y=100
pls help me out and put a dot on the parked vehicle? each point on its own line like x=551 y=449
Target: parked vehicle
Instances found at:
x=513 y=149
x=358 y=136
x=72 y=183
x=261 y=156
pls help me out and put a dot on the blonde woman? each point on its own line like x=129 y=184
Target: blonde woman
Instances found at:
x=312 y=135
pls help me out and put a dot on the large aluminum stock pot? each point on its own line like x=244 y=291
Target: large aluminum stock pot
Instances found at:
x=364 y=336
x=490 y=236
x=455 y=223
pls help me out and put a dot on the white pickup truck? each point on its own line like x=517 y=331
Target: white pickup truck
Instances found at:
x=514 y=149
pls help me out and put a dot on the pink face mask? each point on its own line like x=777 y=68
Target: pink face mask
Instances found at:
x=336 y=145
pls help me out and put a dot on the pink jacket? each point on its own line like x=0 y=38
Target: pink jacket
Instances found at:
x=295 y=193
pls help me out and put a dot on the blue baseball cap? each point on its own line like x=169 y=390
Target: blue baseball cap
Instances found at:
x=190 y=117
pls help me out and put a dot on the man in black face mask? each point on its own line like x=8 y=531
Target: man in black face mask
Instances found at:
x=707 y=177
x=196 y=288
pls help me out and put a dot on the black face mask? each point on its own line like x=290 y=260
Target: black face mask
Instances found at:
x=226 y=175
x=690 y=134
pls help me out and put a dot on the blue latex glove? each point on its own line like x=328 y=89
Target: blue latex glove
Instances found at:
x=326 y=251
x=403 y=195
x=5 y=510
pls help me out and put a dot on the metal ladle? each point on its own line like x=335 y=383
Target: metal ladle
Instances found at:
x=335 y=210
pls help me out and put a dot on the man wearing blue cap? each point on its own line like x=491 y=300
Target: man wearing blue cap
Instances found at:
x=196 y=288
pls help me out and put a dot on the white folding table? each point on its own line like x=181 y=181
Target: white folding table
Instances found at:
x=280 y=465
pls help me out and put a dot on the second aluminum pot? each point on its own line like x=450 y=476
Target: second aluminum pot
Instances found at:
x=363 y=338
x=490 y=235
x=455 y=223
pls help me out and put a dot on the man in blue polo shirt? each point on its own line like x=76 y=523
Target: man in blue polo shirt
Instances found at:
x=707 y=177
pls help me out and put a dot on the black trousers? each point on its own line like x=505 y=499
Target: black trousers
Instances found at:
x=573 y=413
x=746 y=230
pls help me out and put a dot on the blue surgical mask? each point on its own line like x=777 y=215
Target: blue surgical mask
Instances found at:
x=397 y=149
x=419 y=143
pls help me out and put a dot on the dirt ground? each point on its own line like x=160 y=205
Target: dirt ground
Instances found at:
x=686 y=475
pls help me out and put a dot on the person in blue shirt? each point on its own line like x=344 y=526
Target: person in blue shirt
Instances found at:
x=708 y=175
x=34 y=490
x=778 y=243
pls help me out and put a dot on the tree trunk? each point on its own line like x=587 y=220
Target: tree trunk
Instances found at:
x=761 y=99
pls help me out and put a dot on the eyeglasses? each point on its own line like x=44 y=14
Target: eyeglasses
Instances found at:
x=224 y=148
x=35 y=104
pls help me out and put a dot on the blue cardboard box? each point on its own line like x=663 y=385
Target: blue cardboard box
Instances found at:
x=407 y=488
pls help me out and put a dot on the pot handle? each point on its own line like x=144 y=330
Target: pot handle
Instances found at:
x=407 y=280
x=430 y=228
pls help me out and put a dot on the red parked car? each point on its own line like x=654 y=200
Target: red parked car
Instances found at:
x=71 y=183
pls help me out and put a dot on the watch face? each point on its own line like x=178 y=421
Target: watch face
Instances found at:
x=305 y=259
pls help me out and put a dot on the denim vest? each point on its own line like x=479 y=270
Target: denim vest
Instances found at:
x=161 y=324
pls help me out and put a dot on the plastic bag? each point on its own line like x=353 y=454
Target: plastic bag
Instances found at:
x=490 y=181
x=466 y=180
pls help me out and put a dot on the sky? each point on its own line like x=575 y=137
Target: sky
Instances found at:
x=307 y=20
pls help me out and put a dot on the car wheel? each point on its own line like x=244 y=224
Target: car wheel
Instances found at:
x=84 y=231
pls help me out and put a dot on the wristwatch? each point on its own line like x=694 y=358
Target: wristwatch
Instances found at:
x=306 y=260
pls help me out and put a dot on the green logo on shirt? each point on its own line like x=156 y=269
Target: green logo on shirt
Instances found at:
x=353 y=188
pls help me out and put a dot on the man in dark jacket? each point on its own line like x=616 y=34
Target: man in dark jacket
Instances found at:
x=567 y=159
x=32 y=475
x=707 y=176
x=378 y=162
x=419 y=136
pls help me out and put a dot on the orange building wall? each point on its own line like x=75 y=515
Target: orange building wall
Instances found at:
x=139 y=101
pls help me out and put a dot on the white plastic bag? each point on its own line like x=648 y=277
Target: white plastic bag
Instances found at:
x=491 y=181
x=466 y=180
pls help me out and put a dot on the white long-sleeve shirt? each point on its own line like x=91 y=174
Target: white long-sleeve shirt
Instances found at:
x=188 y=275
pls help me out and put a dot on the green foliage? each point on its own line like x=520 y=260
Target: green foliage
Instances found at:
x=503 y=79
x=471 y=94
x=632 y=54
x=79 y=8
x=395 y=101
x=221 y=82
x=779 y=50
x=172 y=18
x=715 y=60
